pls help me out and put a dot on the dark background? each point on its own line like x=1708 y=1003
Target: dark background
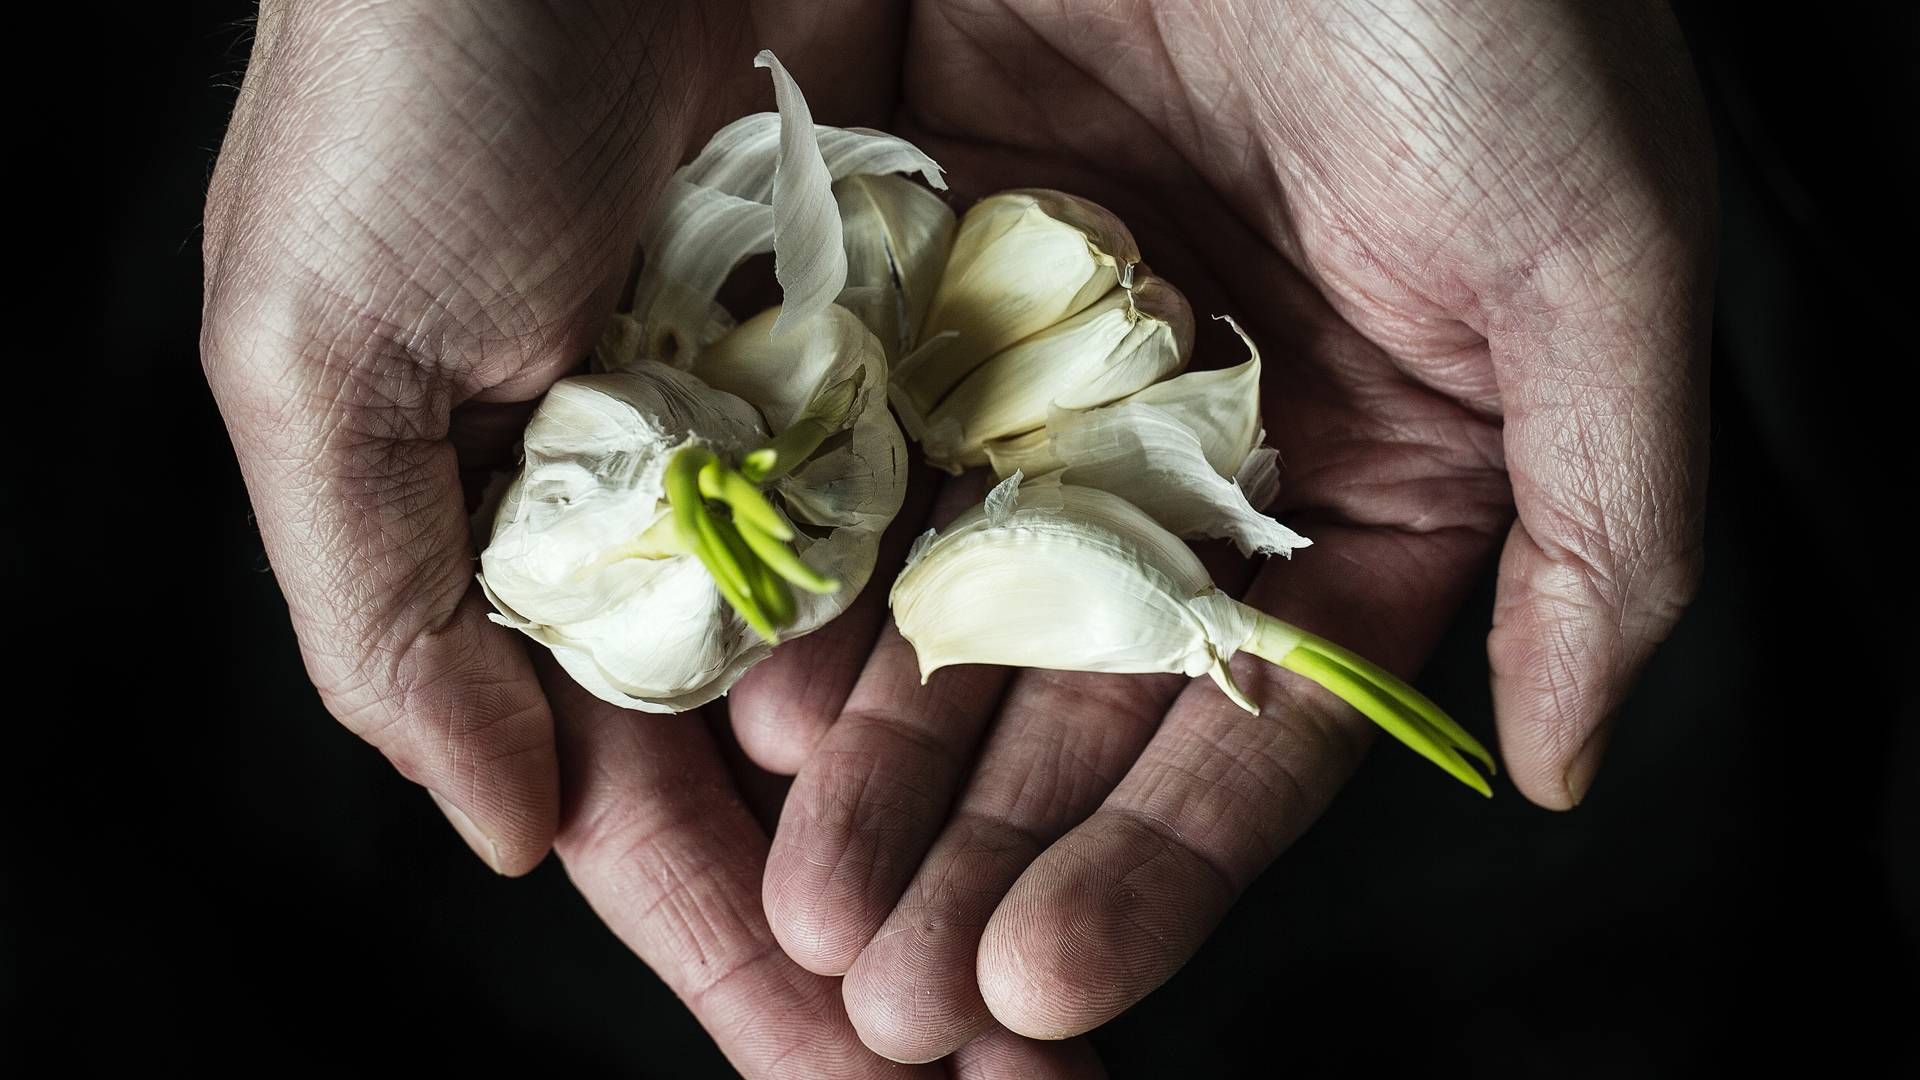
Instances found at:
x=204 y=870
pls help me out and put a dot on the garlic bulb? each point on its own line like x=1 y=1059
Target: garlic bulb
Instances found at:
x=582 y=555
x=717 y=487
x=1187 y=451
x=1023 y=262
x=1081 y=580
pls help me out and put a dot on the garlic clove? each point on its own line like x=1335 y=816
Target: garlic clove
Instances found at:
x=1022 y=261
x=1030 y=453
x=829 y=370
x=573 y=555
x=1080 y=581
x=1123 y=343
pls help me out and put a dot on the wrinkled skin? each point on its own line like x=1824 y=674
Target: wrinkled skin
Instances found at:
x=1474 y=244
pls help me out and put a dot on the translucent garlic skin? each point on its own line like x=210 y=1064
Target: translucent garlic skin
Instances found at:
x=579 y=554
x=774 y=182
x=1188 y=451
x=1053 y=575
x=897 y=235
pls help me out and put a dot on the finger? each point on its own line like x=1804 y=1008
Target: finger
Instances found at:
x=660 y=844
x=782 y=708
x=1060 y=744
x=1001 y=1055
x=872 y=795
x=1603 y=386
x=1122 y=901
x=392 y=232
x=362 y=514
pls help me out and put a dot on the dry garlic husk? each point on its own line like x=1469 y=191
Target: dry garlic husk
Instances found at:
x=897 y=235
x=1125 y=341
x=1022 y=261
x=1187 y=451
x=1055 y=575
x=770 y=182
x=581 y=555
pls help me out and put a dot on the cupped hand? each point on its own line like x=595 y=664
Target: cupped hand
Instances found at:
x=1474 y=242
x=421 y=217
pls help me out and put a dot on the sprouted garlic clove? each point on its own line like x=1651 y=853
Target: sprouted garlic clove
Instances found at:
x=1084 y=581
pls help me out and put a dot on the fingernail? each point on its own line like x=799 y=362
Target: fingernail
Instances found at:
x=476 y=838
x=1586 y=764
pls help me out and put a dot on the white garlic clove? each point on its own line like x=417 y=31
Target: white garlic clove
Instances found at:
x=573 y=557
x=1022 y=261
x=853 y=485
x=1079 y=580
x=1123 y=343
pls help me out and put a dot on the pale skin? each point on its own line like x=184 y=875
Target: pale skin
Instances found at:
x=1474 y=241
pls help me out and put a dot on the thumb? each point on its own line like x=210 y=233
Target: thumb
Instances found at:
x=1602 y=363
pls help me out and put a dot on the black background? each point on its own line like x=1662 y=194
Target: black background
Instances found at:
x=204 y=870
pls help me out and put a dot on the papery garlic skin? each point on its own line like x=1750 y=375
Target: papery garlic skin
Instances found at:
x=897 y=235
x=1124 y=342
x=1022 y=261
x=1186 y=451
x=759 y=185
x=1045 y=574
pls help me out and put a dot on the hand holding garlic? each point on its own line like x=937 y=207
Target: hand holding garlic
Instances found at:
x=1045 y=341
x=1447 y=325
x=482 y=249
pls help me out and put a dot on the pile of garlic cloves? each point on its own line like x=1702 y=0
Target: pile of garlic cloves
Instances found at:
x=716 y=486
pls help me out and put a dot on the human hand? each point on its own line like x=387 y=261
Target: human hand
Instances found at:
x=1474 y=241
x=421 y=218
